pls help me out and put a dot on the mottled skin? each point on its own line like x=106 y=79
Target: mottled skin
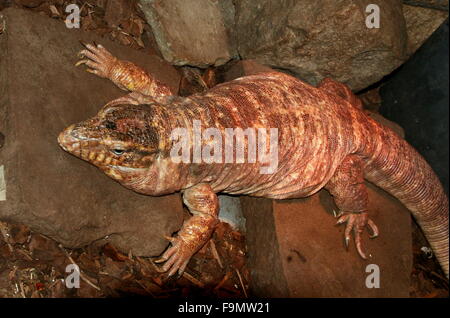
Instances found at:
x=324 y=141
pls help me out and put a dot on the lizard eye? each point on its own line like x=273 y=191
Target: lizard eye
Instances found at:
x=110 y=125
x=118 y=152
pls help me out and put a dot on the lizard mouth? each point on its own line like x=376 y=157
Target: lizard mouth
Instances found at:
x=66 y=140
x=126 y=169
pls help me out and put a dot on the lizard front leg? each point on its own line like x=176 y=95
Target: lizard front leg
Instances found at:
x=124 y=74
x=350 y=195
x=203 y=203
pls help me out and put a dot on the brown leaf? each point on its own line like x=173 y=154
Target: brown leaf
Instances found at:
x=209 y=77
x=150 y=287
x=5 y=251
x=110 y=251
x=139 y=42
x=43 y=248
x=124 y=39
x=113 y=268
x=127 y=276
x=87 y=291
x=88 y=264
x=88 y=23
x=136 y=27
x=19 y=234
x=54 y=11
x=58 y=289
x=158 y=280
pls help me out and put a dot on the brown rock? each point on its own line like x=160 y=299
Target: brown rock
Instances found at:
x=317 y=39
x=264 y=260
x=190 y=32
x=431 y=4
x=41 y=93
x=420 y=24
x=295 y=249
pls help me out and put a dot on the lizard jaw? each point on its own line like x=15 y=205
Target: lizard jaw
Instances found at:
x=127 y=169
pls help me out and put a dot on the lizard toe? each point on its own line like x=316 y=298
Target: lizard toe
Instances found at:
x=176 y=257
x=373 y=228
x=358 y=243
x=97 y=58
x=357 y=222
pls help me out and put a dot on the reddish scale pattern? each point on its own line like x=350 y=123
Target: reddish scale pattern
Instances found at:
x=324 y=140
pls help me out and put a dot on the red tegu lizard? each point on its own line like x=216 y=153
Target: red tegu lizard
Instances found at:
x=324 y=141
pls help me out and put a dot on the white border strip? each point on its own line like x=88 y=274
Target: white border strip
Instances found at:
x=2 y=184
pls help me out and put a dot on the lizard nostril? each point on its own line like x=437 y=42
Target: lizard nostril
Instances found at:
x=66 y=139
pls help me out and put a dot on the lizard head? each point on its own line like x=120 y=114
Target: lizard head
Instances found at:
x=124 y=142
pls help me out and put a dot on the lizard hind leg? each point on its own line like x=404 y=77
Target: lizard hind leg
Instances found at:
x=350 y=195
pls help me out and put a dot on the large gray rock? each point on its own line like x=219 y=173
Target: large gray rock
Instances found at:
x=320 y=38
x=431 y=4
x=41 y=93
x=192 y=32
x=420 y=24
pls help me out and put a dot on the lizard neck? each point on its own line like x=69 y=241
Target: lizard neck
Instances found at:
x=177 y=166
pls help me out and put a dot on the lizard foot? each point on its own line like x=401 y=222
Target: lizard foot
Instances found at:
x=98 y=60
x=177 y=256
x=357 y=222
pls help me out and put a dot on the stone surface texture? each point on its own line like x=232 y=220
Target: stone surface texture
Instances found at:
x=309 y=39
x=56 y=194
x=420 y=24
x=192 y=32
x=315 y=39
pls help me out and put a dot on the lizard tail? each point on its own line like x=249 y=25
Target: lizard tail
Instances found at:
x=398 y=168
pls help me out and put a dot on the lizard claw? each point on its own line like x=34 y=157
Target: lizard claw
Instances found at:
x=374 y=228
x=357 y=222
x=98 y=60
x=342 y=218
x=176 y=257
